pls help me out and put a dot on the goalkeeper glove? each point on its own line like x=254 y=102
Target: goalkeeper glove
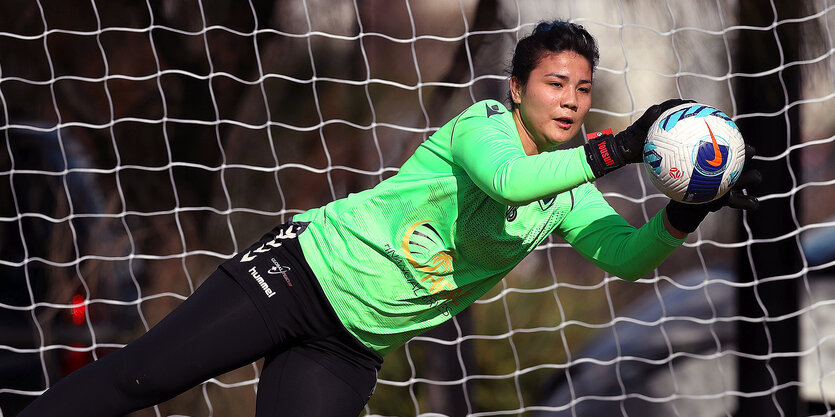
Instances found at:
x=607 y=152
x=687 y=217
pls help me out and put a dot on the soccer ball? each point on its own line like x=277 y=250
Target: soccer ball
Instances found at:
x=694 y=153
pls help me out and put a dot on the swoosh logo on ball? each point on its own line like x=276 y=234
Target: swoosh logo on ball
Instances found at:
x=717 y=154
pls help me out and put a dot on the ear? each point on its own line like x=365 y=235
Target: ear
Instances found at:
x=516 y=89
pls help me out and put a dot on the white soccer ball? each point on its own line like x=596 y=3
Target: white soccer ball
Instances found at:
x=694 y=153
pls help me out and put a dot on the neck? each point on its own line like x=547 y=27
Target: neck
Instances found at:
x=527 y=140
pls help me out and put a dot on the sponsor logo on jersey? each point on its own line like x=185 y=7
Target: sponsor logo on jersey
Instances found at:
x=430 y=299
x=454 y=295
x=280 y=269
x=492 y=110
x=424 y=249
x=546 y=203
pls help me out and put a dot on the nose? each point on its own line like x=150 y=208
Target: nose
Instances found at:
x=569 y=99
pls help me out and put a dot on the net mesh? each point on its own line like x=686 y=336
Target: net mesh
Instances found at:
x=142 y=144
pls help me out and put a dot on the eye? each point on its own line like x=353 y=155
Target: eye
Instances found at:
x=556 y=84
x=584 y=89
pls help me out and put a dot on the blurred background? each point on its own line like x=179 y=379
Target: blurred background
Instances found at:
x=143 y=143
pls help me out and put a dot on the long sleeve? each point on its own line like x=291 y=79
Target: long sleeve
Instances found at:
x=491 y=153
x=607 y=240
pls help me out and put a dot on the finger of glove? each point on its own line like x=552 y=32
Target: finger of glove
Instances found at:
x=750 y=151
x=656 y=110
x=748 y=179
x=632 y=139
x=669 y=104
x=738 y=200
x=631 y=143
x=672 y=102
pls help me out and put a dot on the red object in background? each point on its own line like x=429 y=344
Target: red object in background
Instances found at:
x=75 y=359
x=78 y=309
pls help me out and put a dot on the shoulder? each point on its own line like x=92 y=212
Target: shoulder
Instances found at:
x=487 y=114
x=486 y=119
x=486 y=109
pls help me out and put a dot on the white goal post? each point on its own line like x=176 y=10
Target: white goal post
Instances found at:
x=144 y=143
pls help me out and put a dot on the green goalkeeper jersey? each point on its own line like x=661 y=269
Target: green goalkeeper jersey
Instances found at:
x=462 y=211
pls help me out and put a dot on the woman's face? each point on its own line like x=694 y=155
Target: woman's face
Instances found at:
x=552 y=105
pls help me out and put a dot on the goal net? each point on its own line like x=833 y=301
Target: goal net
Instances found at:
x=142 y=144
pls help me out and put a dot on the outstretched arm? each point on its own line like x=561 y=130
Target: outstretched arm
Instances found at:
x=605 y=238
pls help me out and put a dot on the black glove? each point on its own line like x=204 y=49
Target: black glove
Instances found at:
x=607 y=153
x=687 y=217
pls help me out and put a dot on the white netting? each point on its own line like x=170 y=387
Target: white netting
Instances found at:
x=141 y=144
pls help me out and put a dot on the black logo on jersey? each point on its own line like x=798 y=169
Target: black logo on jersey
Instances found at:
x=492 y=110
x=510 y=214
x=545 y=203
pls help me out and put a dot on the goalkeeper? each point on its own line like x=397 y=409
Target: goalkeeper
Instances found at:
x=326 y=295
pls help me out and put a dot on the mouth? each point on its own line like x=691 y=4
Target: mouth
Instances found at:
x=564 y=122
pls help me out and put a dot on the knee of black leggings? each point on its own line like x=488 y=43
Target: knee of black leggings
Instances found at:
x=133 y=381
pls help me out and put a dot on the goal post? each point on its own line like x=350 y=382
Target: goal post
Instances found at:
x=144 y=143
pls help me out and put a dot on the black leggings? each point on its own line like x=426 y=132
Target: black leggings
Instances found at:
x=315 y=370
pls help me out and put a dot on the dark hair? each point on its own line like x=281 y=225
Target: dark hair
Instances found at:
x=551 y=37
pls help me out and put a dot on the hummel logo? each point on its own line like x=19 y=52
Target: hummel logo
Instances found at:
x=261 y=282
x=491 y=110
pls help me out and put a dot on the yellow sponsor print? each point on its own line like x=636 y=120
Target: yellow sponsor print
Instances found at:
x=423 y=238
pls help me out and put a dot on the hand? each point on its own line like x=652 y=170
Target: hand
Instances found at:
x=608 y=153
x=687 y=217
x=631 y=140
